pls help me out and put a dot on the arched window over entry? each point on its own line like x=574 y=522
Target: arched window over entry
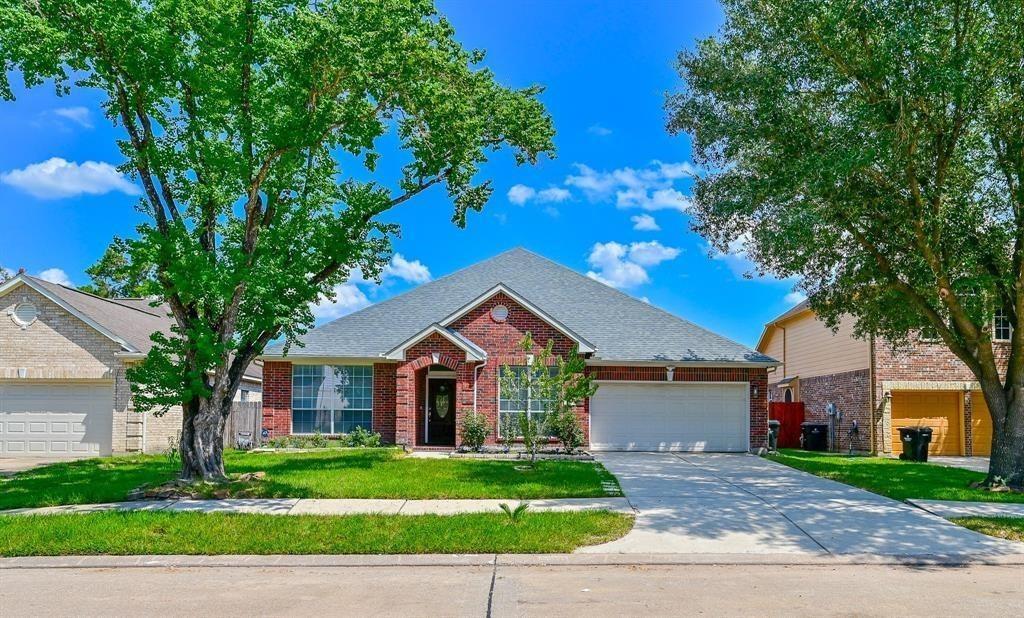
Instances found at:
x=788 y=396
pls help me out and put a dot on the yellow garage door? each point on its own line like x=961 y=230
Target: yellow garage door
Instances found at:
x=981 y=425
x=939 y=410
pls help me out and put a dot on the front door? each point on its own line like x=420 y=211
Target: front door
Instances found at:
x=441 y=412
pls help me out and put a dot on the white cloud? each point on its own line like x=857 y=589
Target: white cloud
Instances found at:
x=644 y=223
x=553 y=194
x=599 y=131
x=625 y=266
x=795 y=297
x=409 y=271
x=651 y=253
x=79 y=115
x=58 y=178
x=346 y=298
x=56 y=275
x=651 y=188
x=520 y=194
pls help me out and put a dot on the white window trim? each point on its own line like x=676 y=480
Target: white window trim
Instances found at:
x=291 y=418
x=995 y=325
x=529 y=400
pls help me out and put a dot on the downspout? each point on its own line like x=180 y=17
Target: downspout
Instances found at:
x=871 y=394
x=476 y=381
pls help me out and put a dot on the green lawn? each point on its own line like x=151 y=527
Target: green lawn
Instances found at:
x=128 y=533
x=1011 y=528
x=895 y=478
x=336 y=473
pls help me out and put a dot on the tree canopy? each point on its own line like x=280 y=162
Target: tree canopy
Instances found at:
x=253 y=128
x=876 y=150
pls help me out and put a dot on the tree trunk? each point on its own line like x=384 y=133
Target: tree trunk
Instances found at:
x=1006 y=466
x=202 y=441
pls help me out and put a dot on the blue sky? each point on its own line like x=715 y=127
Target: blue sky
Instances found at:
x=611 y=204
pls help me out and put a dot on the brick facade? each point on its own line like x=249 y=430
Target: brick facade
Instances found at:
x=399 y=388
x=924 y=366
x=59 y=347
x=850 y=391
x=277 y=398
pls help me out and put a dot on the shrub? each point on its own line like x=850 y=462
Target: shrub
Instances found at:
x=565 y=426
x=318 y=440
x=360 y=437
x=474 y=429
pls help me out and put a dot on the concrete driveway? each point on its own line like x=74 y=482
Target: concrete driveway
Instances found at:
x=975 y=464
x=741 y=504
x=9 y=466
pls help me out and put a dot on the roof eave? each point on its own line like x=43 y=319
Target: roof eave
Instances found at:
x=473 y=352
x=23 y=280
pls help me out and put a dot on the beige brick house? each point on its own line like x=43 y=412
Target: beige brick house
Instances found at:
x=879 y=387
x=63 y=386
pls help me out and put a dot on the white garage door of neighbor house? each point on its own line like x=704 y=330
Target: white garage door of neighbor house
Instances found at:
x=670 y=417
x=55 y=420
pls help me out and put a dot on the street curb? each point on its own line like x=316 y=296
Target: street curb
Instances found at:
x=502 y=560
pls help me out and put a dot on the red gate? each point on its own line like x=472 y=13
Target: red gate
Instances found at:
x=790 y=415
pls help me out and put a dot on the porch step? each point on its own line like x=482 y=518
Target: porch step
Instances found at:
x=434 y=449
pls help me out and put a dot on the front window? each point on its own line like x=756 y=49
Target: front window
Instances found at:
x=1001 y=326
x=331 y=399
x=521 y=400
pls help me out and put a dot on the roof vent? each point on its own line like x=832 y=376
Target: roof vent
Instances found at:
x=499 y=313
x=24 y=314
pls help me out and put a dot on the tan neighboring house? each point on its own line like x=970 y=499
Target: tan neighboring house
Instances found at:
x=879 y=387
x=63 y=386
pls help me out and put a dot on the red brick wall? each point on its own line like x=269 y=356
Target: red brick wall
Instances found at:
x=501 y=342
x=384 y=400
x=757 y=377
x=850 y=391
x=277 y=398
x=410 y=408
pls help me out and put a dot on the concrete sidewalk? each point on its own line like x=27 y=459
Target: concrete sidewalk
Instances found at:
x=296 y=506
x=948 y=509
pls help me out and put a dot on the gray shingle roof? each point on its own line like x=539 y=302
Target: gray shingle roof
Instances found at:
x=131 y=319
x=621 y=327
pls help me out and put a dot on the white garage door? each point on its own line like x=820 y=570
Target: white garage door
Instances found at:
x=55 y=420
x=670 y=417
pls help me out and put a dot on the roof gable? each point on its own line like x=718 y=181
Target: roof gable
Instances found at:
x=473 y=351
x=619 y=327
x=585 y=347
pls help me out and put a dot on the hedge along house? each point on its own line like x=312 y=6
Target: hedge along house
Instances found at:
x=414 y=366
x=64 y=389
x=880 y=386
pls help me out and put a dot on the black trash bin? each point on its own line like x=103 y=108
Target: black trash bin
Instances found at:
x=915 y=443
x=774 y=427
x=814 y=436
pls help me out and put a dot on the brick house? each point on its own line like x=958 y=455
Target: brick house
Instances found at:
x=878 y=386
x=412 y=367
x=63 y=361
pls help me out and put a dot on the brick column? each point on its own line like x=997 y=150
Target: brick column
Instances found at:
x=277 y=398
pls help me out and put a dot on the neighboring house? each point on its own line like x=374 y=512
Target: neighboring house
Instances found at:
x=63 y=357
x=414 y=366
x=880 y=387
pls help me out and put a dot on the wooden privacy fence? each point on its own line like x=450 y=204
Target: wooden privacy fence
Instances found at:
x=791 y=415
x=244 y=424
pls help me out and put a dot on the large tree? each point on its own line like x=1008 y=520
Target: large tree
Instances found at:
x=875 y=148
x=253 y=127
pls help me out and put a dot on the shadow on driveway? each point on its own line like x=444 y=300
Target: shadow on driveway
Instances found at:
x=741 y=504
